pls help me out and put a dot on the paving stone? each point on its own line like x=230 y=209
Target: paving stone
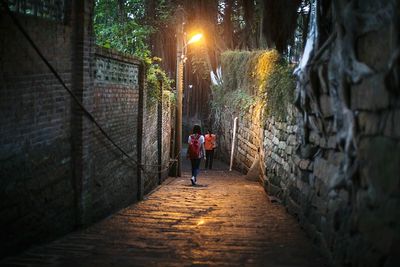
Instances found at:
x=224 y=220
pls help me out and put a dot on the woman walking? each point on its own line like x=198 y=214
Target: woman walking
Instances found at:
x=195 y=151
x=210 y=144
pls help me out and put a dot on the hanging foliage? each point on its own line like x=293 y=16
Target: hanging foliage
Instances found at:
x=279 y=91
x=254 y=78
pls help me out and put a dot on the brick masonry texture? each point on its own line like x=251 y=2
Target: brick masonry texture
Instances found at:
x=57 y=171
x=115 y=106
x=168 y=119
x=150 y=146
x=150 y=137
x=37 y=199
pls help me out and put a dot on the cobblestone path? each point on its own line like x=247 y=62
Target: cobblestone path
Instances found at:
x=225 y=220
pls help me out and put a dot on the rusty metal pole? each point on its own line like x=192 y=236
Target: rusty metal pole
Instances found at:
x=179 y=90
x=140 y=175
x=159 y=132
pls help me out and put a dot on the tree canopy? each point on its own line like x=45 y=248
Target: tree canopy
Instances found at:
x=147 y=28
x=140 y=27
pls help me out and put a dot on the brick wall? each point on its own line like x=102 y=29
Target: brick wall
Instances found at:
x=150 y=145
x=115 y=106
x=167 y=120
x=157 y=129
x=37 y=196
x=57 y=171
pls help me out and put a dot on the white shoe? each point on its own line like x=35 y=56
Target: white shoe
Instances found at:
x=193 y=180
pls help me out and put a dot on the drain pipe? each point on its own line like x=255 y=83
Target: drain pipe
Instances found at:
x=233 y=142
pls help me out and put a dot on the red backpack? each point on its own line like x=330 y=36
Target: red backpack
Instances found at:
x=194 y=147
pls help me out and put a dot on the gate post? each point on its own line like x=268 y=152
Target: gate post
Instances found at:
x=81 y=127
x=140 y=168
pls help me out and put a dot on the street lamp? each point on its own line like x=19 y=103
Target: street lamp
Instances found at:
x=194 y=38
x=180 y=60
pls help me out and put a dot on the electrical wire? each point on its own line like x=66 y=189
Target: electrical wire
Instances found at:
x=76 y=99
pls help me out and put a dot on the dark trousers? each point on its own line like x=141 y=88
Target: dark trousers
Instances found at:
x=209 y=158
x=195 y=166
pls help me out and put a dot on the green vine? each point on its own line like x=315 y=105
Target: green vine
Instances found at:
x=157 y=80
x=280 y=92
x=259 y=78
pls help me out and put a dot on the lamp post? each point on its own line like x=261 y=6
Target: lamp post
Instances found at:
x=180 y=60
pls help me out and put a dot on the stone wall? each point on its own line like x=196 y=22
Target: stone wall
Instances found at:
x=336 y=164
x=348 y=198
x=271 y=141
x=248 y=143
x=280 y=144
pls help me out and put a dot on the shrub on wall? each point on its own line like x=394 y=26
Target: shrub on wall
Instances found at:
x=156 y=80
x=259 y=78
x=280 y=91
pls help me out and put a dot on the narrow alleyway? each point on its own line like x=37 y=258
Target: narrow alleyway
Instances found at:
x=224 y=220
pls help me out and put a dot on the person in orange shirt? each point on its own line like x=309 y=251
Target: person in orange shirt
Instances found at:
x=209 y=144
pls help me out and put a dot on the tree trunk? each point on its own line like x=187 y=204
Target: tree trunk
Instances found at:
x=249 y=14
x=228 y=26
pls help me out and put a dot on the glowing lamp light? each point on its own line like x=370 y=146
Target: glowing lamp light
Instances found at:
x=195 y=38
